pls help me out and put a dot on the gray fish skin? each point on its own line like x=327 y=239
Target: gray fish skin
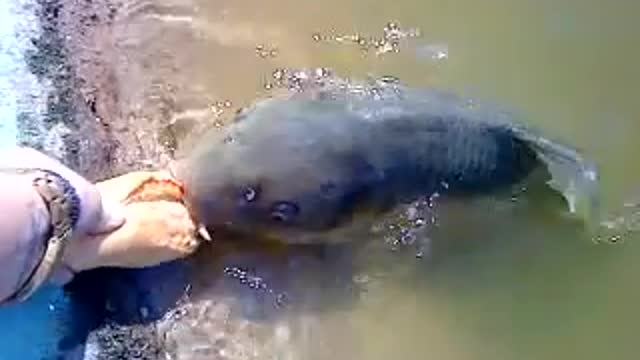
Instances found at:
x=321 y=166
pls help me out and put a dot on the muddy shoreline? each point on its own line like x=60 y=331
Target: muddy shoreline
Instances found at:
x=85 y=124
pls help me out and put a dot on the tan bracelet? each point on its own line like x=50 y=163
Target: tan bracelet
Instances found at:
x=63 y=204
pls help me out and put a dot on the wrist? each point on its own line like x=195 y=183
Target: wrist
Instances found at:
x=39 y=230
x=54 y=211
x=23 y=229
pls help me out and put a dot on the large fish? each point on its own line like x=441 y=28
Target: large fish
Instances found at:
x=322 y=165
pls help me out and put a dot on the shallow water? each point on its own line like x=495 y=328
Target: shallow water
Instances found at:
x=503 y=280
x=523 y=283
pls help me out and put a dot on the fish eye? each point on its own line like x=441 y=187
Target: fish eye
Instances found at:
x=284 y=211
x=249 y=193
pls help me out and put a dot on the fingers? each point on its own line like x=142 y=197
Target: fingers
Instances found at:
x=110 y=233
x=154 y=232
x=110 y=219
x=118 y=189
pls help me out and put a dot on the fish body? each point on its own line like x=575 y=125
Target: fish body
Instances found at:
x=321 y=166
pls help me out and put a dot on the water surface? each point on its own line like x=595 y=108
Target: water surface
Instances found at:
x=521 y=283
x=505 y=280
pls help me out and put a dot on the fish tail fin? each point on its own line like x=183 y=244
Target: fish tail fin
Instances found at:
x=572 y=175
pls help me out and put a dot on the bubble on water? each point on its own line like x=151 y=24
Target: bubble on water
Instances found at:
x=278 y=74
x=301 y=75
x=619 y=227
x=408 y=237
x=409 y=227
x=298 y=79
x=390 y=41
x=361 y=279
x=436 y=52
x=254 y=283
x=412 y=212
x=281 y=300
x=389 y=79
x=216 y=109
x=250 y=194
x=265 y=51
x=144 y=312
x=322 y=72
x=615 y=239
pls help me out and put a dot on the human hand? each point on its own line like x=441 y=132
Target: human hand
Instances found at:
x=97 y=214
x=155 y=231
x=25 y=173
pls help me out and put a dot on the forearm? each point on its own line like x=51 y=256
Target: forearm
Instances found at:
x=24 y=225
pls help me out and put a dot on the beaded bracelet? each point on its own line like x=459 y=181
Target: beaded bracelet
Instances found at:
x=63 y=203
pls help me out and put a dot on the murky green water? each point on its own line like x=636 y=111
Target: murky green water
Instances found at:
x=525 y=284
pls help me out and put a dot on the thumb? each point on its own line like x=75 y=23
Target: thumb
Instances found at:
x=111 y=217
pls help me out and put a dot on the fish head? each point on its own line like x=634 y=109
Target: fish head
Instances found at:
x=273 y=182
